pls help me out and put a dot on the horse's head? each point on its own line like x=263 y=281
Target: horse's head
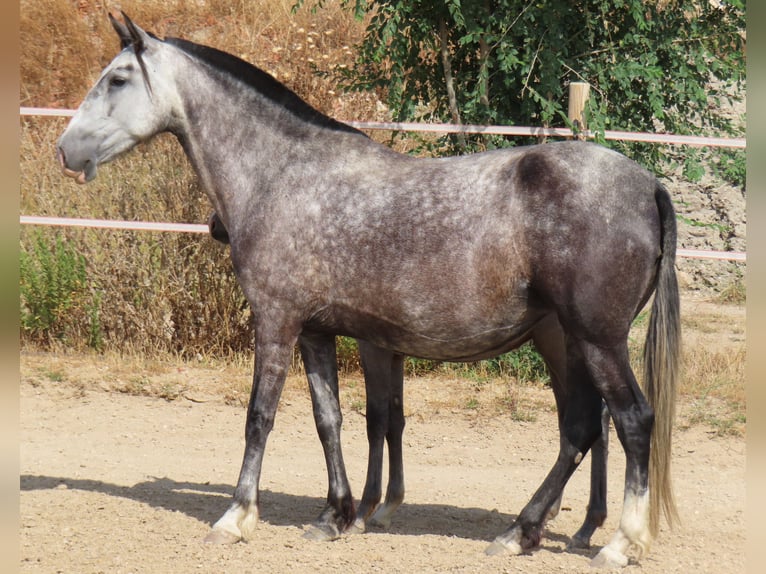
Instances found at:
x=131 y=102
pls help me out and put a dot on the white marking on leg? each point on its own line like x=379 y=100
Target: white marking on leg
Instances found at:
x=613 y=555
x=237 y=523
x=357 y=527
x=633 y=532
x=578 y=458
x=635 y=521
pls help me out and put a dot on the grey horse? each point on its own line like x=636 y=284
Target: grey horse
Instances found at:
x=457 y=258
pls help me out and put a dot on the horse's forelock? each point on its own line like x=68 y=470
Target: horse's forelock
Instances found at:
x=139 y=56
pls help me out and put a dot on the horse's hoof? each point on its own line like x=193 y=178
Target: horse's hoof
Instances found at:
x=577 y=543
x=357 y=527
x=509 y=542
x=497 y=548
x=221 y=537
x=321 y=533
x=380 y=521
x=608 y=558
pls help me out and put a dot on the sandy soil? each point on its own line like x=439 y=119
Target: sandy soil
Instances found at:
x=113 y=482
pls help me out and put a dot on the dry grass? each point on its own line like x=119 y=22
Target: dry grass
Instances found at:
x=711 y=392
x=66 y=43
x=712 y=386
x=163 y=291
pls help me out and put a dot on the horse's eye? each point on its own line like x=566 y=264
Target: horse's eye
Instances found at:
x=116 y=81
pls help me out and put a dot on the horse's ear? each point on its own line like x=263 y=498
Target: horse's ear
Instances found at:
x=129 y=33
x=137 y=35
x=122 y=31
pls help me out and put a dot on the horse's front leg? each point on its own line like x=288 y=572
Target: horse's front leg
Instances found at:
x=319 y=359
x=272 y=362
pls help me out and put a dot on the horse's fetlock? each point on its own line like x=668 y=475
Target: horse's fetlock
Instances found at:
x=532 y=537
x=248 y=524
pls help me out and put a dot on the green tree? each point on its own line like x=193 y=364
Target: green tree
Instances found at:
x=664 y=65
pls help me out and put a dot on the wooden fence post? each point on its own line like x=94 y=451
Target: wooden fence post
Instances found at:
x=578 y=95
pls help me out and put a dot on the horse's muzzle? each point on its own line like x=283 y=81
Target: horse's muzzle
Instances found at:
x=78 y=176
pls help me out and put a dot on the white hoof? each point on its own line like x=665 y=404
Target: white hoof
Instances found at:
x=235 y=525
x=222 y=537
x=321 y=533
x=609 y=558
x=510 y=544
x=357 y=527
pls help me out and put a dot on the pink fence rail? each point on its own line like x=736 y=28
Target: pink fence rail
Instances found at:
x=671 y=139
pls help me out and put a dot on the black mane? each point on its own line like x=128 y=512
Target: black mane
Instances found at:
x=261 y=81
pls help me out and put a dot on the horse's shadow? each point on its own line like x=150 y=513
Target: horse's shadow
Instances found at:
x=206 y=502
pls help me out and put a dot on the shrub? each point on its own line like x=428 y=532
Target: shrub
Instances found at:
x=52 y=279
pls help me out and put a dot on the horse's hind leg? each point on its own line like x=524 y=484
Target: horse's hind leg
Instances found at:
x=383 y=377
x=580 y=425
x=597 y=511
x=550 y=342
x=596 y=514
x=395 y=489
x=319 y=359
x=633 y=420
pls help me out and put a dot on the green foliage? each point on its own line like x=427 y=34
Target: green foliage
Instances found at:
x=347 y=354
x=52 y=276
x=723 y=229
x=524 y=364
x=728 y=165
x=653 y=66
x=414 y=366
x=731 y=166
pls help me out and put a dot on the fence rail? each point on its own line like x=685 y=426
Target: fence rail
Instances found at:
x=673 y=139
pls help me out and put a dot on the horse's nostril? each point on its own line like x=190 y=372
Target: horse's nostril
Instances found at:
x=61 y=156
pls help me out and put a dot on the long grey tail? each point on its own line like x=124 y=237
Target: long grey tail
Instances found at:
x=662 y=362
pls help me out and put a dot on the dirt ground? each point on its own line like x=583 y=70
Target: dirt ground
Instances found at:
x=120 y=483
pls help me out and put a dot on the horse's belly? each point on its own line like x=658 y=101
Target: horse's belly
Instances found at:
x=467 y=348
x=445 y=339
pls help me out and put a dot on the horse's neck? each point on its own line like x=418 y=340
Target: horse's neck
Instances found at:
x=240 y=144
